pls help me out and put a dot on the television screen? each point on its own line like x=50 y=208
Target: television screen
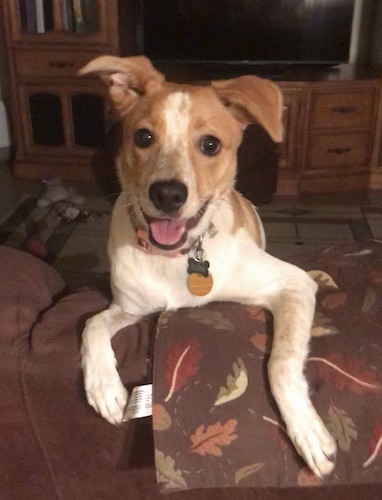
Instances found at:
x=246 y=31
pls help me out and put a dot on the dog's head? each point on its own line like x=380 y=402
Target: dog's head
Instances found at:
x=178 y=153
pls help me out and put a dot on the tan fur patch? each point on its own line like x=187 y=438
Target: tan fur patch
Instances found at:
x=244 y=217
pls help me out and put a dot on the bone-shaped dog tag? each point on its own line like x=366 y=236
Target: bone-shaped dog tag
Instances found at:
x=200 y=281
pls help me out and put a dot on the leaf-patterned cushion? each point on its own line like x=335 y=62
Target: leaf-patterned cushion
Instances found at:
x=215 y=421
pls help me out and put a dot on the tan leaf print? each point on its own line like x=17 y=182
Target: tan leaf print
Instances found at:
x=166 y=472
x=341 y=427
x=161 y=418
x=333 y=300
x=368 y=301
x=323 y=279
x=236 y=384
x=212 y=318
x=247 y=471
x=209 y=441
x=163 y=319
x=322 y=326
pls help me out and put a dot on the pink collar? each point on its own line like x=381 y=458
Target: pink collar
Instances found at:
x=142 y=240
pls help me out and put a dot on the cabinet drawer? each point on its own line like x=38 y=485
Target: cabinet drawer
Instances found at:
x=338 y=150
x=50 y=63
x=342 y=109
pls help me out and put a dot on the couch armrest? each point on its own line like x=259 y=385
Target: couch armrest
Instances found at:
x=28 y=286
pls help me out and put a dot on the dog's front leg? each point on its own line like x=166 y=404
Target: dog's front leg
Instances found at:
x=104 y=389
x=293 y=310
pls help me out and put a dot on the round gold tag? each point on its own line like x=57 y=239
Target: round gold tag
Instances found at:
x=200 y=285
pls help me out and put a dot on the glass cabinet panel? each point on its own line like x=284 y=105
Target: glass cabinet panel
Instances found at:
x=88 y=120
x=71 y=16
x=46 y=119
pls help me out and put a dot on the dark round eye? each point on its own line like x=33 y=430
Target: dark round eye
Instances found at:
x=210 y=145
x=143 y=138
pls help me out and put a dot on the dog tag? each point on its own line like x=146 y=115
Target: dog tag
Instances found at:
x=200 y=281
x=200 y=285
x=198 y=266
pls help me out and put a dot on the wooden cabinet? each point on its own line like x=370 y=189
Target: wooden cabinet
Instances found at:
x=58 y=119
x=333 y=128
x=289 y=151
x=334 y=133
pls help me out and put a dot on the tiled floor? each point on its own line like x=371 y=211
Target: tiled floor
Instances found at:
x=292 y=225
x=299 y=225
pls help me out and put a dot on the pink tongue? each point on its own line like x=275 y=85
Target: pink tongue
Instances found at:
x=167 y=231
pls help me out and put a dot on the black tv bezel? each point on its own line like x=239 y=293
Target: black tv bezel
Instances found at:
x=223 y=65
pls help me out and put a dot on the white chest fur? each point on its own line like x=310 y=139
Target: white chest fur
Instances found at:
x=143 y=283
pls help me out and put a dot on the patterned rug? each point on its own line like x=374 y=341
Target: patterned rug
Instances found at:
x=44 y=231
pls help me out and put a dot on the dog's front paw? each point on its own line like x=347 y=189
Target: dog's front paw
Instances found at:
x=314 y=443
x=106 y=393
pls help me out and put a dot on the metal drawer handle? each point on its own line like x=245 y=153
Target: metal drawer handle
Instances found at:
x=61 y=64
x=344 y=109
x=339 y=151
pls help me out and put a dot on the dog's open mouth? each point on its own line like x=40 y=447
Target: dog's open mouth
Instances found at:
x=169 y=234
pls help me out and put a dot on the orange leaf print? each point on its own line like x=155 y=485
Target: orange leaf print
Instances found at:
x=256 y=312
x=209 y=441
x=262 y=342
x=182 y=362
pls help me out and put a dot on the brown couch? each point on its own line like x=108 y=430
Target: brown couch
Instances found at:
x=215 y=423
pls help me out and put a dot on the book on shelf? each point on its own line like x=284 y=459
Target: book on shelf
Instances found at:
x=67 y=15
x=40 y=21
x=90 y=13
x=31 y=18
x=80 y=16
x=79 y=21
x=36 y=16
x=23 y=15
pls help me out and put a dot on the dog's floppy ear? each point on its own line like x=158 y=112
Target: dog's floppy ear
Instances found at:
x=128 y=78
x=253 y=100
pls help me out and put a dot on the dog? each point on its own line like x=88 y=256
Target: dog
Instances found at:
x=181 y=236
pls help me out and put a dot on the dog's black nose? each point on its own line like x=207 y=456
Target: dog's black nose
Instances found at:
x=168 y=196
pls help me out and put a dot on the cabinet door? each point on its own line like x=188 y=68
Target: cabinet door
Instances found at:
x=67 y=121
x=342 y=109
x=338 y=150
x=62 y=21
x=290 y=148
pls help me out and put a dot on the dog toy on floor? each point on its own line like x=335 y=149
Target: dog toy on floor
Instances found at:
x=55 y=191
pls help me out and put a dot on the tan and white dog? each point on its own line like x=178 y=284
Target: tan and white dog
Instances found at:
x=177 y=166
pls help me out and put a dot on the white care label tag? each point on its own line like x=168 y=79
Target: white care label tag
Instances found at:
x=140 y=403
